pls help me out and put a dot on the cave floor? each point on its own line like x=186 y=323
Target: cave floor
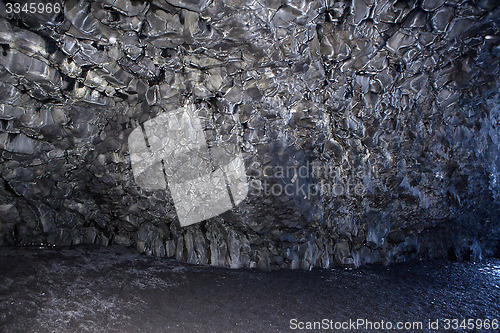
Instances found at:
x=114 y=289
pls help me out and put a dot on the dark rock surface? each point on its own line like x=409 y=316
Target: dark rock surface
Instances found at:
x=91 y=289
x=381 y=117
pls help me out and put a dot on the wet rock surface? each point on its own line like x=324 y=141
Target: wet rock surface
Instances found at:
x=114 y=289
x=369 y=129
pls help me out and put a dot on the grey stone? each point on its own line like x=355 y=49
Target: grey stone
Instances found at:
x=170 y=248
x=342 y=254
x=442 y=18
x=8 y=213
x=360 y=10
x=431 y=5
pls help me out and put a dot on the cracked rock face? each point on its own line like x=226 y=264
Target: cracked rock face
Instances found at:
x=369 y=129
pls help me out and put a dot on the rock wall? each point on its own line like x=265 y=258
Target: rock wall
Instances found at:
x=369 y=129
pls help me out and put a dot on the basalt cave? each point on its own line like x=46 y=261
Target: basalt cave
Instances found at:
x=367 y=135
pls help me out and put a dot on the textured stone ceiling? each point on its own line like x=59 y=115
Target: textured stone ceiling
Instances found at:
x=380 y=117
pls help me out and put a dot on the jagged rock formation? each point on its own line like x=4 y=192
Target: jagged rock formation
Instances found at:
x=369 y=129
